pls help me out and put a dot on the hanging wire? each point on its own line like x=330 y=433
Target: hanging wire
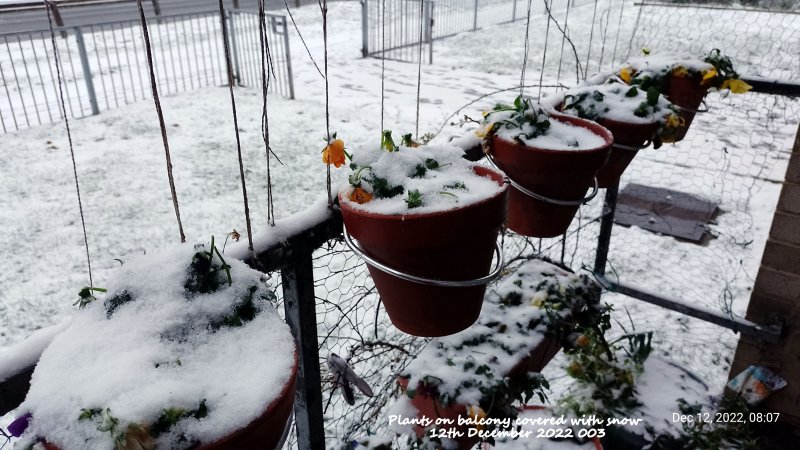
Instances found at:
x=266 y=60
x=57 y=60
x=229 y=68
x=565 y=36
x=301 y=38
x=419 y=62
x=383 y=60
x=563 y=40
x=160 y=113
x=544 y=53
x=323 y=6
x=591 y=37
x=525 y=56
x=619 y=27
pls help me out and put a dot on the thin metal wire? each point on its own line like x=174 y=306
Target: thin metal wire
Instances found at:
x=265 y=55
x=561 y=56
x=383 y=60
x=591 y=37
x=544 y=53
x=419 y=63
x=160 y=113
x=525 y=54
x=69 y=140
x=301 y=38
x=323 y=5
x=229 y=68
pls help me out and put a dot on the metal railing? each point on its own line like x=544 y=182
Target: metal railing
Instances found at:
x=391 y=28
x=104 y=65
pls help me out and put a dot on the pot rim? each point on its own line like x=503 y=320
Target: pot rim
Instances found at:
x=591 y=125
x=504 y=185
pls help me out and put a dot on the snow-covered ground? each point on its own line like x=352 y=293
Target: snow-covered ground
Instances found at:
x=727 y=157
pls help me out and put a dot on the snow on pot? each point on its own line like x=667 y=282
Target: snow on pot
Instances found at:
x=684 y=80
x=186 y=351
x=426 y=221
x=551 y=159
x=479 y=373
x=634 y=117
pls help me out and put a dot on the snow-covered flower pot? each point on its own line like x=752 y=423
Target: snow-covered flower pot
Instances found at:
x=185 y=351
x=445 y=228
x=684 y=80
x=633 y=116
x=554 y=157
x=483 y=371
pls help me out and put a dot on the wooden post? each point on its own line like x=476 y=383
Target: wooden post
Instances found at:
x=777 y=294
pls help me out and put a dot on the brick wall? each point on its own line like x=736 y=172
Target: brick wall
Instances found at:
x=777 y=292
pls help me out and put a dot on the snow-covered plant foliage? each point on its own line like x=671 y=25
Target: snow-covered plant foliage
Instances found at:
x=185 y=349
x=714 y=70
x=615 y=100
x=478 y=369
x=530 y=124
x=605 y=372
x=707 y=434
x=413 y=178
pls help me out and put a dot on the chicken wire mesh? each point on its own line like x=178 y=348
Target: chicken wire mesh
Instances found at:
x=733 y=156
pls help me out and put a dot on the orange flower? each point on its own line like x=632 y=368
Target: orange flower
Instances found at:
x=334 y=153
x=360 y=196
x=477 y=414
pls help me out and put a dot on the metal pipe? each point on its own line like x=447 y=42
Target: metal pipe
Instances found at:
x=87 y=71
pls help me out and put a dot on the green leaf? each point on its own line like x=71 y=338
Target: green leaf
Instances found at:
x=652 y=96
x=414 y=199
x=632 y=92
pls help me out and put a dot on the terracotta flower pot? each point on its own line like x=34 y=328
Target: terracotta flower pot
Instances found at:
x=629 y=134
x=426 y=399
x=452 y=245
x=557 y=174
x=264 y=432
x=687 y=92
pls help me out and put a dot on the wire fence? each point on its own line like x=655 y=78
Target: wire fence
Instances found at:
x=734 y=156
x=391 y=29
x=104 y=65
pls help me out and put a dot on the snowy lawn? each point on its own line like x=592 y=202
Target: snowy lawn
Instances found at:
x=726 y=158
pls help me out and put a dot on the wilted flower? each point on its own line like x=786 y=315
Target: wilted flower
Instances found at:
x=360 y=196
x=736 y=86
x=334 y=153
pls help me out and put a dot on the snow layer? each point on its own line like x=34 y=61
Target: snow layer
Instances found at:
x=25 y=353
x=161 y=350
x=452 y=184
x=615 y=103
x=502 y=334
x=559 y=135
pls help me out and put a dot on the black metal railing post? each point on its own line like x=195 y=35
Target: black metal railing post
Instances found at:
x=606 y=225
x=301 y=315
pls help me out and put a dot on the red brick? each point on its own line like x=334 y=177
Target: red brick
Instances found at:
x=790 y=198
x=785 y=228
x=782 y=256
x=781 y=285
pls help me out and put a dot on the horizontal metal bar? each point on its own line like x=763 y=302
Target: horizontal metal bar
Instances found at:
x=135 y=22
x=768 y=333
x=723 y=8
x=773 y=86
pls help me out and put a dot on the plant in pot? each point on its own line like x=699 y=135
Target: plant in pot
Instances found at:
x=481 y=374
x=186 y=351
x=634 y=116
x=426 y=221
x=684 y=80
x=552 y=159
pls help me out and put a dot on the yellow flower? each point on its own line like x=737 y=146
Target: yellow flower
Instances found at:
x=680 y=71
x=736 y=86
x=476 y=413
x=674 y=121
x=360 y=196
x=538 y=299
x=582 y=341
x=483 y=131
x=334 y=153
x=709 y=75
x=626 y=73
